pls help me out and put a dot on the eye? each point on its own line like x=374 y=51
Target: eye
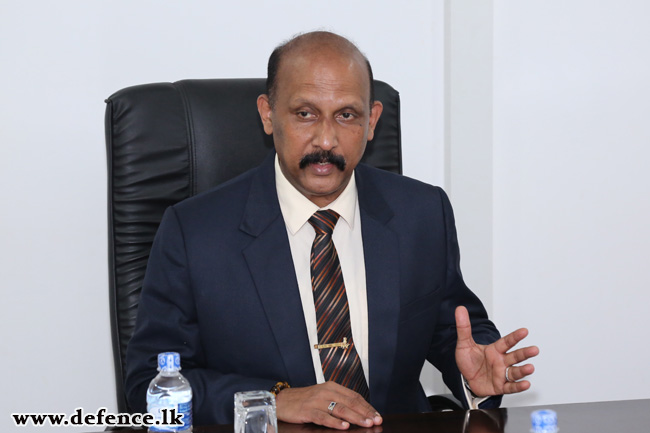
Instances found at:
x=347 y=116
x=304 y=114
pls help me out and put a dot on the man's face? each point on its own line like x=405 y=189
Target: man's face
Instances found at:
x=320 y=121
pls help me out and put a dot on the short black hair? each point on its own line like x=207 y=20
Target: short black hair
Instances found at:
x=281 y=50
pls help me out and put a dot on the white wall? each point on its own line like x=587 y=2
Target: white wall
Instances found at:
x=468 y=140
x=59 y=61
x=571 y=193
x=547 y=155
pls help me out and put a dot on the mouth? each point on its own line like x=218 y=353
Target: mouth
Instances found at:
x=321 y=168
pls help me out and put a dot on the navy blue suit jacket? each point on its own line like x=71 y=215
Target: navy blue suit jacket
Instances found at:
x=221 y=290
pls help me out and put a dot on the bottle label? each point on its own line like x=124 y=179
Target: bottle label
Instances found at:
x=172 y=417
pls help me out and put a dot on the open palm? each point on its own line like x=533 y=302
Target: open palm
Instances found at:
x=484 y=366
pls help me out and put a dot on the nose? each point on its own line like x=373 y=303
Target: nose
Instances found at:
x=325 y=134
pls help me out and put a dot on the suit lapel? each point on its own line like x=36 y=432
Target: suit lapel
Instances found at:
x=381 y=254
x=271 y=266
x=269 y=260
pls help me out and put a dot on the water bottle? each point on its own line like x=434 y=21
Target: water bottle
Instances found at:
x=544 y=421
x=170 y=395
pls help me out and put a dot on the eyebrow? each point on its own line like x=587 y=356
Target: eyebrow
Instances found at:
x=347 y=106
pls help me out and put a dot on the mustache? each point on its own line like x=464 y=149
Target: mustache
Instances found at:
x=325 y=156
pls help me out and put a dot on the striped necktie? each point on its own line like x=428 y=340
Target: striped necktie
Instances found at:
x=340 y=364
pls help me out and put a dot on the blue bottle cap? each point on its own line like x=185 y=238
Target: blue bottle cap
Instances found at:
x=544 y=421
x=169 y=361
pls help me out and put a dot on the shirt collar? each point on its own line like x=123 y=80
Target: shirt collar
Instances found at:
x=297 y=209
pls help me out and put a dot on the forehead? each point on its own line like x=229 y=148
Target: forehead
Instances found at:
x=323 y=74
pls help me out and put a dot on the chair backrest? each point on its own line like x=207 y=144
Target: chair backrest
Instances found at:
x=169 y=141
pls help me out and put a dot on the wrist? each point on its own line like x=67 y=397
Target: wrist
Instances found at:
x=467 y=387
x=275 y=390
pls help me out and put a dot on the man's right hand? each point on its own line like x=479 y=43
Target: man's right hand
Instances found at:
x=310 y=404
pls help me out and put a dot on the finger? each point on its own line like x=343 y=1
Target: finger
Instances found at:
x=521 y=355
x=307 y=427
x=357 y=409
x=310 y=405
x=363 y=410
x=463 y=327
x=345 y=413
x=519 y=372
x=515 y=387
x=506 y=343
x=325 y=419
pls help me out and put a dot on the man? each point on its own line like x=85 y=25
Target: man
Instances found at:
x=248 y=281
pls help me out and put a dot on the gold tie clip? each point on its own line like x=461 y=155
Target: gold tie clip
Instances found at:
x=343 y=345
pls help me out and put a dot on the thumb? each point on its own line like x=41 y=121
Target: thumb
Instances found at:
x=463 y=327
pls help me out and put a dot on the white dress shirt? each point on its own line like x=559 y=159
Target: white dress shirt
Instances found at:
x=296 y=210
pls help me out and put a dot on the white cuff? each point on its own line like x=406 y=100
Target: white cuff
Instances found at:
x=471 y=400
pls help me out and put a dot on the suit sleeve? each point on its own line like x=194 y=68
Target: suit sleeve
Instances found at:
x=442 y=351
x=167 y=321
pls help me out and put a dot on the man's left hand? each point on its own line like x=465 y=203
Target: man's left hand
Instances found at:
x=484 y=367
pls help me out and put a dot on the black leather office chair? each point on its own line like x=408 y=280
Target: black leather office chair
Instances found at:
x=169 y=141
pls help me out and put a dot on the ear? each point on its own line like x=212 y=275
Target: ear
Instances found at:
x=264 y=108
x=375 y=113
